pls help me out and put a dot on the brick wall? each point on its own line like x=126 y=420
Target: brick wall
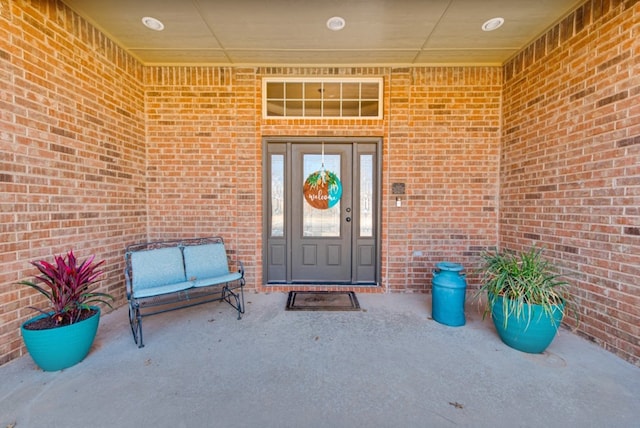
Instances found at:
x=570 y=164
x=203 y=157
x=98 y=151
x=440 y=137
x=444 y=144
x=72 y=152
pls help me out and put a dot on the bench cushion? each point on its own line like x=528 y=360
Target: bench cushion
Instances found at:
x=205 y=261
x=162 y=289
x=204 y=282
x=157 y=268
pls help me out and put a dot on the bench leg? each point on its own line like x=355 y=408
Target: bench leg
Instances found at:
x=238 y=301
x=135 y=321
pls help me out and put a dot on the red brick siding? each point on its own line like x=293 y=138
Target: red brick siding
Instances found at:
x=99 y=151
x=440 y=138
x=201 y=156
x=205 y=135
x=72 y=152
x=570 y=164
x=449 y=160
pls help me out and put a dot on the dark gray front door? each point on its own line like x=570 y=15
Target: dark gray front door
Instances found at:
x=321 y=206
x=321 y=235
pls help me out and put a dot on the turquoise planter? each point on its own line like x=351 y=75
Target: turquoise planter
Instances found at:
x=58 y=348
x=533 y=332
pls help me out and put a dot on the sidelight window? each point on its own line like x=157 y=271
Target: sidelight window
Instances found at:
x=277 y=195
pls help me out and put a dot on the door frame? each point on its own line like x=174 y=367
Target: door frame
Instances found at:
x=266 y=171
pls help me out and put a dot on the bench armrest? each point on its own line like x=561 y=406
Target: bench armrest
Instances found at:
x=236 y=265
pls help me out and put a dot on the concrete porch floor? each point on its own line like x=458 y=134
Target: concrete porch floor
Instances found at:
x=386 y=366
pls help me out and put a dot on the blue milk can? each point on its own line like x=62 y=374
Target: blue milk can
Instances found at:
x=448 y=294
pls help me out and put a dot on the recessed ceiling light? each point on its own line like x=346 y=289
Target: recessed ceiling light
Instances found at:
x=152 y=23
x=335 y=23
x=493 y=24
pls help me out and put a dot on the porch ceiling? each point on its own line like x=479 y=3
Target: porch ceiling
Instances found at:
x=290 y=32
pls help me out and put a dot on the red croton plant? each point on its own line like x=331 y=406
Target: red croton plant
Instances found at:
x=66 y=283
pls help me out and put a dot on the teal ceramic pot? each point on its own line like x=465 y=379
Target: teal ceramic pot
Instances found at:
x=62 y=347
x=532 y=333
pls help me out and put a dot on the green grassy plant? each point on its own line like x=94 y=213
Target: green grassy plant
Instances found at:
x=522 y=278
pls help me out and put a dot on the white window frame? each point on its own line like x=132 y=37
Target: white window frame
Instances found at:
x=323 y=80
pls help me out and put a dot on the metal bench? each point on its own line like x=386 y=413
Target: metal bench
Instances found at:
x=165 y=275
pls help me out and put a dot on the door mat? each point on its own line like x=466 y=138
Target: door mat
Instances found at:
x=322 y=301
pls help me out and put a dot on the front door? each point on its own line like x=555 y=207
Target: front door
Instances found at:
x=321 y=220
x=322 y=213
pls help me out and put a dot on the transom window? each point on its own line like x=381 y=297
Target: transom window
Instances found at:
x=325 y=97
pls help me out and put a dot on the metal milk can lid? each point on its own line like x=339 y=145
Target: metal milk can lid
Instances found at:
x=449 y=266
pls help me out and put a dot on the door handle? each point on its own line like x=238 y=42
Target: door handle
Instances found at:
x=348 y=219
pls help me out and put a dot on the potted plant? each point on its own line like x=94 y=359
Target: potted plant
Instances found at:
x=526 y=298
x=62 y=335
